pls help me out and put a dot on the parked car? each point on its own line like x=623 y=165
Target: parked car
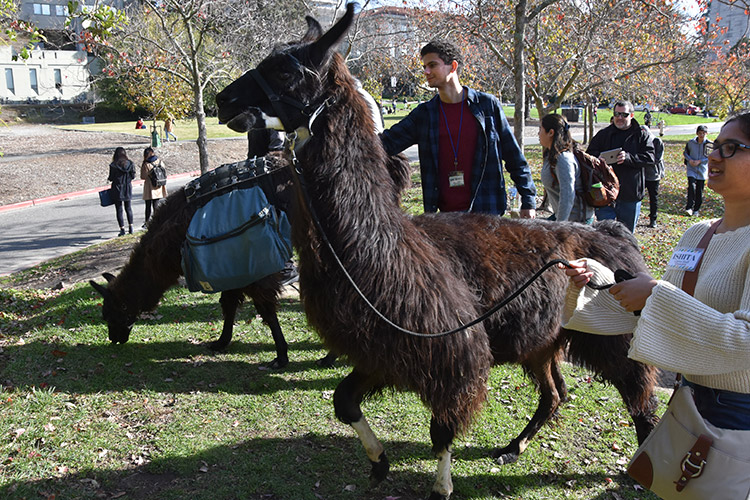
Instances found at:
x=685 y=109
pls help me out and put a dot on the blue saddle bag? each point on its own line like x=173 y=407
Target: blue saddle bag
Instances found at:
x=233 y=240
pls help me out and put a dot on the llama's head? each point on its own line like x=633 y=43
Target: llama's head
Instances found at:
x=115 y=313
x=286 y=88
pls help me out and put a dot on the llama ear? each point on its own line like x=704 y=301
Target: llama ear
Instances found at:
x=102 y=291
x=109 y=277
x=314 y=30
x=320 y=49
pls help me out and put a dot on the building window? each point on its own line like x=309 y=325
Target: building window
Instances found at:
x=58 y=80
x=9 y=80
x=61 y=10
x=38 y=9
x=33 y=81
x=45 y=9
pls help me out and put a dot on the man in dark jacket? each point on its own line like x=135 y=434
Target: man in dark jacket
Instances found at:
x=636 y=154
x=463 y=138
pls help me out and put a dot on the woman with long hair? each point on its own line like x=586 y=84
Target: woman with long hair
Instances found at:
x=561 y=174
x=121 y=175
x=152 y=195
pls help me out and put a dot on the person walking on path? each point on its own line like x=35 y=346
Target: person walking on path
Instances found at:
x=463 y=136
x=696 y=164
x=169 y=129
x=152 y=195
x=121 y=175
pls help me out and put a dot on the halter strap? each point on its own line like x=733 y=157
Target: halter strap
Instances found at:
x=276 y=100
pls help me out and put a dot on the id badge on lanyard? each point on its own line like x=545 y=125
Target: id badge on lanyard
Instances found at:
x=456 y=179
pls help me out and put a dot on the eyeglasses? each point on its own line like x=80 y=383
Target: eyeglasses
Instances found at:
x=621 y=114
x=726 y=149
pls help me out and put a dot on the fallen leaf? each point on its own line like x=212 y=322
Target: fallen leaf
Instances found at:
x=350 y=487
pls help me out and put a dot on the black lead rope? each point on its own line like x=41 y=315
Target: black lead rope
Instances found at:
x=619 y=274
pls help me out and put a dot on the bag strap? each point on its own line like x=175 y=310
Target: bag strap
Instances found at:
x=690 y=278
x=692 y=465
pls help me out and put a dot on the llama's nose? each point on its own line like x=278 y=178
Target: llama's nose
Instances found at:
x=221 y=99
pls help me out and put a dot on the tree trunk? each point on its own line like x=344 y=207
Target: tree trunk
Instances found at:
x=200 y=115
x=586 y=115
x=519 y=70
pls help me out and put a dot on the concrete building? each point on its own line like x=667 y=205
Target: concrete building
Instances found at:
x=733 y=18
x=47 y=76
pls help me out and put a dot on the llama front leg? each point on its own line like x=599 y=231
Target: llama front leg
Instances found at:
x=442 y=438
x=347 y=399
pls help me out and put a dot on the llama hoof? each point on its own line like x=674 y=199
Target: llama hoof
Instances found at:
x=434 y=495
x=328 y=361
x=504 y=456
x=278 y=363
x=218 y=345
x=379 y=470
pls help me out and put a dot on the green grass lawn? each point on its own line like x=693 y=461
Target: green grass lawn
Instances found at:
x=184 y=129
x=162 y=417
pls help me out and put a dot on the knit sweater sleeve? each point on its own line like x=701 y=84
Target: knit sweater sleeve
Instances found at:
x=679 y=333
x=596 y=311
x=708 y=334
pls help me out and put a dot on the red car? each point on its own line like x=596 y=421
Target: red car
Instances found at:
x=683 y=109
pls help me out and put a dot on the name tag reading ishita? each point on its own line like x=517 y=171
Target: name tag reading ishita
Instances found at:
x=685 y=258
x=456 y=179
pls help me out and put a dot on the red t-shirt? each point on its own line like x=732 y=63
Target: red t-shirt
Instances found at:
x=458 y=145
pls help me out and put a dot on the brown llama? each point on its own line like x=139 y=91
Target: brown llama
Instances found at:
x=429 y=273
x=154 y=266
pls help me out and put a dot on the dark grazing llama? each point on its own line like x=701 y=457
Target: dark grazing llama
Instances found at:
x=154 y=266
x=428 y=274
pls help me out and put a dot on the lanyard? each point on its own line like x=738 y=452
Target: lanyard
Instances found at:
x=460 y=126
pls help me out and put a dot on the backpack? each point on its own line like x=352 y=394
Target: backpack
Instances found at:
x=233 y=240
x=158 y=176
x=600 y=185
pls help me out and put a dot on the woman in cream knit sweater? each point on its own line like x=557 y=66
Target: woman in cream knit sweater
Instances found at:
x=706 y=337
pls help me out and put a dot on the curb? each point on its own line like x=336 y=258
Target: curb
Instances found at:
x=75 y=194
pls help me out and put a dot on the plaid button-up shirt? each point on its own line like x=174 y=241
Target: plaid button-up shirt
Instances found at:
x=495 y=144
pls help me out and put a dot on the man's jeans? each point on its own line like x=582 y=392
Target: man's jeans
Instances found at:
x=626 y=212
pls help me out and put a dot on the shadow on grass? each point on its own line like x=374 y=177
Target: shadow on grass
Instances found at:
x=308 y=467
x=172 y=367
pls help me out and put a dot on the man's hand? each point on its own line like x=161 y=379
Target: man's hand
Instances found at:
x=621 y=157
x=528 y=213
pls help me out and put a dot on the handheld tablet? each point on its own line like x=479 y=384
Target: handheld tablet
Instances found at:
x=610 y=156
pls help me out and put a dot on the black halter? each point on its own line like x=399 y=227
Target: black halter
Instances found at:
x=277 y=100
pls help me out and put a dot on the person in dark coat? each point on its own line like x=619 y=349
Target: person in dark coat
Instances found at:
x=121 y=175
x=636 y=154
